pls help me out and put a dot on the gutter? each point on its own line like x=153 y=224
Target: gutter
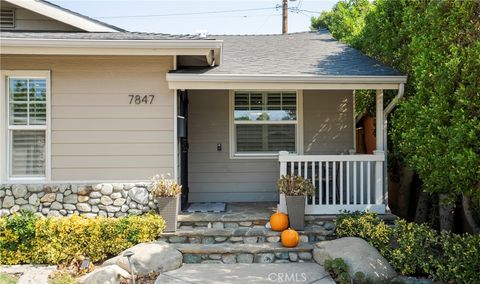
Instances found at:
x=386 y=112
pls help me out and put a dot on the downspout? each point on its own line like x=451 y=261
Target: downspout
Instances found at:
x=386 y=112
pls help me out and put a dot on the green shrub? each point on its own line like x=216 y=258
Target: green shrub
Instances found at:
x=414 y=249
x=62 y=278
x=338 y=269
x=8 y=279
x=26 y=238
x=460 y=261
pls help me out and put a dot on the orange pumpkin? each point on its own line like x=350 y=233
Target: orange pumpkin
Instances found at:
x=279 y=221
x=290 y=238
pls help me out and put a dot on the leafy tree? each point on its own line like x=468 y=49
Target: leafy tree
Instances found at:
x=346 y=20
x=437 y=44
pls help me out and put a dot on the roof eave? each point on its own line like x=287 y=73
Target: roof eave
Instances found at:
x=36 y=46
x=272 y=81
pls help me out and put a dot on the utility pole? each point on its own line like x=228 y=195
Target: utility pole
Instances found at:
x=285 y=17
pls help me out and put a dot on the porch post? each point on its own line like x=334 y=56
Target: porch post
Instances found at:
x=380 y=150
x=379 y=121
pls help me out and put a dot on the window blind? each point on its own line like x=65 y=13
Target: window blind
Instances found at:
x=265 y=138
x=27 y=153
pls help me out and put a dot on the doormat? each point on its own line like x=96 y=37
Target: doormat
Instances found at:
x=215 y=207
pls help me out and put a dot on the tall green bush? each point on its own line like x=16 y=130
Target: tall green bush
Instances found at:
x=437 y=44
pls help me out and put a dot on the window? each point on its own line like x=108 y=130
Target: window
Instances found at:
x=27 y=116
x=7 y=18
x=264 y=123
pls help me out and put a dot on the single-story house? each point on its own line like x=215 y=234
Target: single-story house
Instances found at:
x=85 y=102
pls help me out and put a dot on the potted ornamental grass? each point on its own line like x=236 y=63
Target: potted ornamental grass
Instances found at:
x=167 y=193
x=295 y=189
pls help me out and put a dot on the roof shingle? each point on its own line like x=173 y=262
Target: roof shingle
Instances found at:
x=307 y=53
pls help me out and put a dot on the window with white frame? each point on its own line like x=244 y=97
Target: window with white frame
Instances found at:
x=27 y=126
x=264 y=122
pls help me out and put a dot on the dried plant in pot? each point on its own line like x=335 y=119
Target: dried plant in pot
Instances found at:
x=167 y=193
x=295 y=189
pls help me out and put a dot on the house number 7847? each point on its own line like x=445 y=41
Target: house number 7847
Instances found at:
x=141 y=99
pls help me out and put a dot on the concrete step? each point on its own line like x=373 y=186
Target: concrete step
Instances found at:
x=245 y=253
x=199 y=235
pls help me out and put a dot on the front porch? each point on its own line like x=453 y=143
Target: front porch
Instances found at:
x=229 y=143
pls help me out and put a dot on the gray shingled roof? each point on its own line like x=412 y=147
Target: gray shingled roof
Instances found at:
x=308 y=53
x=97 y=35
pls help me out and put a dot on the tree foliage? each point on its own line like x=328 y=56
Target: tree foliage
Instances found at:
x=437 y=44
x=347 y=16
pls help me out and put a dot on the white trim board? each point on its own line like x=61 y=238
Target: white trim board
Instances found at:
x=281 y=82
x=327 y=79
x=110 y=47
x=63 y=15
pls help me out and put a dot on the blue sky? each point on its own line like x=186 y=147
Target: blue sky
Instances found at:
x=257 y=17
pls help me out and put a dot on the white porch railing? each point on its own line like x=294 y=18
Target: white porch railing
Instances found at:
x=342 y=182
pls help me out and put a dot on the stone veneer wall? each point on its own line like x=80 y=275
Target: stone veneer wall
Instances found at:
x=106 y=199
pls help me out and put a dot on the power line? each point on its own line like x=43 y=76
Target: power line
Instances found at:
x=310 y=11
x=187 y=14
x=299 y=5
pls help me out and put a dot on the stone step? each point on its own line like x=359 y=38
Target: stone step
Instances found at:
x=245 y=253
x=219 y=221
x=210 y=220
x=245 y=235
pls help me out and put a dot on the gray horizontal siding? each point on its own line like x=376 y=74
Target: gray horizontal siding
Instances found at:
x=95 y=133
x=327 y=121
x=213 y=176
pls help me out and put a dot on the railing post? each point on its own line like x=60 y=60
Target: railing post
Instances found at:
x=379 y=178
x=283 y=164
x=282 y=205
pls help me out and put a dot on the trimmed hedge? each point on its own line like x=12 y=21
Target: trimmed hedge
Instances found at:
x=414 y=249
x=27 y=238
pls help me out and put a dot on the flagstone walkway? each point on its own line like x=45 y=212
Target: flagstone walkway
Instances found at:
x=247 y=273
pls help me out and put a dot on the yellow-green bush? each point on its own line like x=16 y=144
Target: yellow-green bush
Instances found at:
x=414 y=249
x=26 y=238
